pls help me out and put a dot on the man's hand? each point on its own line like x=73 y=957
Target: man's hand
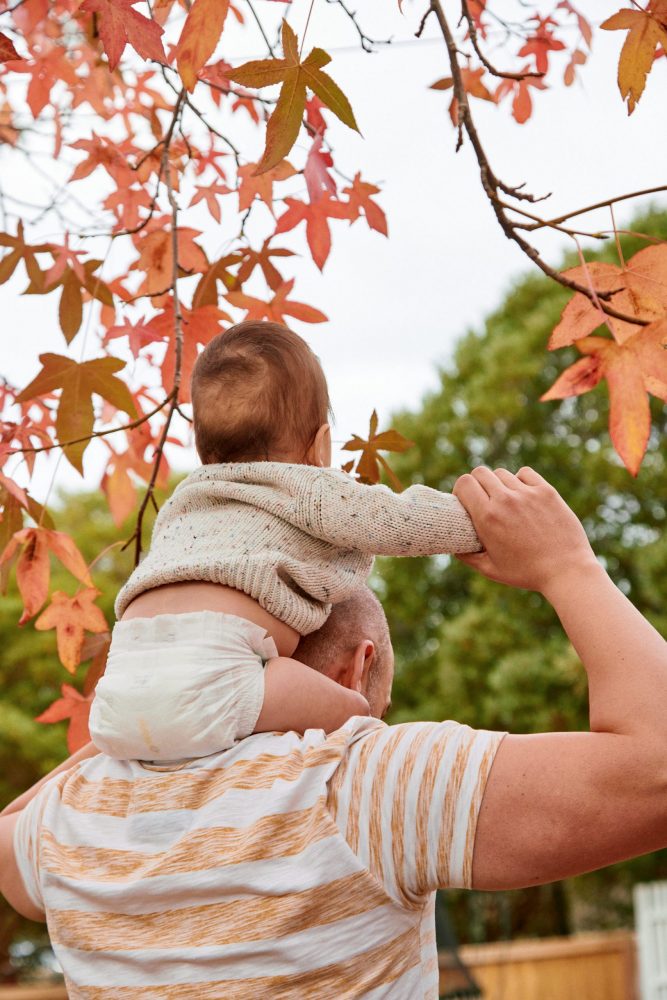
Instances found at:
x=530 y=535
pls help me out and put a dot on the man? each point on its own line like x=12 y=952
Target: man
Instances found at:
x=305 y=866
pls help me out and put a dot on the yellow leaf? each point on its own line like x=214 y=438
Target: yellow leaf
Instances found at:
x=296 y=77
x=645 y=33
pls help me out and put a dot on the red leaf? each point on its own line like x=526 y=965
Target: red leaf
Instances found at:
x=119 y=24
x=7 y=50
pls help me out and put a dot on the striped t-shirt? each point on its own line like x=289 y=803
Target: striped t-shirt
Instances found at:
x=291 y=867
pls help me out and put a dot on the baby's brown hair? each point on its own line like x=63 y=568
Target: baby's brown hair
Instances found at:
x=258 y=392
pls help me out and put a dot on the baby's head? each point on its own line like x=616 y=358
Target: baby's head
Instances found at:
x=259 y=394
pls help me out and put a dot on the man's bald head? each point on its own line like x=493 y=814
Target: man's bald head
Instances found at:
x=355 y=631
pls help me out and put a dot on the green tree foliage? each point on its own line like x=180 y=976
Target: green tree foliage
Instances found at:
x=494 y=657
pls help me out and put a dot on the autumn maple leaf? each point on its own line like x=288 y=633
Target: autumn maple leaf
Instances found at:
x=262 y=258
x=139 y=335
x=541 y=43
x=75 y=707
x=119 y=23
x=21 y=251
x=316 y=215
x=117 y=483
x=198 y=327
x=73 y=276
x=71 y=616
x=210 y=195
x=296 y=78
x=645 y=32
x=33 y=570
x=206 y=292
x=316 y=171
x=639 y=287
x=279 y=306
x=253 y=185
x=199 y=37
x=360 y=200
x=522 y=104
x=79 y=381
x=632 y=369
x=7 y=50
x=45 y=71
x=370 y=461
x=472 y=84
x=156 y=258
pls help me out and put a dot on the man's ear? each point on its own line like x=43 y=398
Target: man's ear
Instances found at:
x=360 y=665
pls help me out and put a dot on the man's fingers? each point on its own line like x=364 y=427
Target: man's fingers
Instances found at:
x=471 y=494
x=507 y=479
x=530 y=477
x=489 y=481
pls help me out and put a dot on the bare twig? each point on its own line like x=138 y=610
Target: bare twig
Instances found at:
x=94 y=434
x=492 y=185
x=365 y=40
x=472 y=31
x=178 y=335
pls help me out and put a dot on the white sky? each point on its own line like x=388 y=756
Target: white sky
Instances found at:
x=396 y=306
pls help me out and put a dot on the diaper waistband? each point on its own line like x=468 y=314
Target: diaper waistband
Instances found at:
x=191 y=627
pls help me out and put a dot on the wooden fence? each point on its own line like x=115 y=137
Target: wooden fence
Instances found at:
x=600 y=966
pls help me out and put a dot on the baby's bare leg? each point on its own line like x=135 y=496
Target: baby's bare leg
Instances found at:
x=296 y=697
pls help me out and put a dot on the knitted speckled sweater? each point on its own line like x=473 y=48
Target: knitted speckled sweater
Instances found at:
x=295 y=537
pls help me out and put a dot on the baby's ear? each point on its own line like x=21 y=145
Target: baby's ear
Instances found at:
x=320 y=450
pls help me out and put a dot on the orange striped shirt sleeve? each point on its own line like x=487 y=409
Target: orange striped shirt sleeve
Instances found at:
x=408 y=800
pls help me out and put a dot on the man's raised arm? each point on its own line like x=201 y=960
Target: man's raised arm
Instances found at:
x=558 y=804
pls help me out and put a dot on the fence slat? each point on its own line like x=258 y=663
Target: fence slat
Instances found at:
x=651 y=923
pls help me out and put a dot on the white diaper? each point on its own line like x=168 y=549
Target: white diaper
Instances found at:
x=180 y=685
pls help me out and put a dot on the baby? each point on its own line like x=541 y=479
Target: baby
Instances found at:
x=248 y=555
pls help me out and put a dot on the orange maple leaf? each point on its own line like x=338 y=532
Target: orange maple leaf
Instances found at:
x=253 y=185
x=359 y=196
x=71 y=617
x=199 y=37
x=316 y=215
x=21 y=251
x=76 y=708
x=633 y=368
x=156 y=258
x=262 y=259
x=34 y=570
x=522 y=104
x=279 y=306
x=199 y=326
x=640 y=288
x=117 y=483
x=296 y=77
x=541 y=43
x=473 y=85
x=370 y=461
x=139 y=335
x=210 y=195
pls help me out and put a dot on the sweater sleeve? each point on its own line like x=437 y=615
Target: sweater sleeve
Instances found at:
x=375 y=520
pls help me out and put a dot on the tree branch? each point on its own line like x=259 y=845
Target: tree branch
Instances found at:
x=492 y=185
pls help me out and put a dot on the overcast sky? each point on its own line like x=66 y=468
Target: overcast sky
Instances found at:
x=396 y=306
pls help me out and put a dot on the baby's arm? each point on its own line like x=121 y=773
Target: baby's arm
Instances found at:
x=372 y=519
x=296 y=697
